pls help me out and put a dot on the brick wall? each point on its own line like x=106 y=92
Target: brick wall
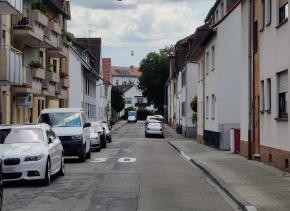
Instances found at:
x=275 y=157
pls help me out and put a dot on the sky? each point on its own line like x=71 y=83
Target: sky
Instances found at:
x=130 y=29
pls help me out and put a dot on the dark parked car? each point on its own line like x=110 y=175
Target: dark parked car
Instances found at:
x=1 y=185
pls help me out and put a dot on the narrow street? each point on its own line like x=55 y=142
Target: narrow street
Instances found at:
x=133 y=173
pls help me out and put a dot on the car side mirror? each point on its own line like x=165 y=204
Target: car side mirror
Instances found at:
x=87 y=124
x=50 y=140
x=110 y=127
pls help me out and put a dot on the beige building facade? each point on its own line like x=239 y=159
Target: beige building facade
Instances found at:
x=34 y=54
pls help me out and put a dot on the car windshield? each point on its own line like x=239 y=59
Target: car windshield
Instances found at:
x=64 y=119
x=21 y=135
x=131 y=113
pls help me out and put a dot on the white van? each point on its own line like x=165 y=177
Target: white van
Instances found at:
x=72 y=127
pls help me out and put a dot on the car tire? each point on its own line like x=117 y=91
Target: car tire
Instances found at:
x=88 y=154
x=98 y=149
x=82 y=156
x=46 y=180
x=61 y=171
x=146 y=135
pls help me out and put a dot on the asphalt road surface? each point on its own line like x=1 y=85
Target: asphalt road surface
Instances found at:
x=133 y=173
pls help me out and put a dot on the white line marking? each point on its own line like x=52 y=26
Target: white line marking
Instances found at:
x=99 y=160
x=251 y=208
x=184 y=155
x=127 y=160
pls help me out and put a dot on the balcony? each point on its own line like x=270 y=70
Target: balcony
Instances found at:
x=11 y=65
x=53 y=77
x=61 y=51
x=48 y=89
x=33 y=30
x=64 y=82
x=38 y=72
x=11 y=7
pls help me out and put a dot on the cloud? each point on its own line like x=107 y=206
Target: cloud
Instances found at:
x=146 y=24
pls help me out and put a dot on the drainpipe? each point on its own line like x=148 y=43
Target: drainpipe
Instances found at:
x=250 y=78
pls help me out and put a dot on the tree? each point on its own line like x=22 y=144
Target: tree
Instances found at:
x=155 y=72
x=193 y=106
x=117 y=100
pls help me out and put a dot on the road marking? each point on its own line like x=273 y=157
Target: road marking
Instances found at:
x=184 y=155
x=98 y=160
x=251 y=208
x=127 y=160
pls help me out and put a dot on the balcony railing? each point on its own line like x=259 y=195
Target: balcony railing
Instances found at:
x=11 y=65
x=8 y=7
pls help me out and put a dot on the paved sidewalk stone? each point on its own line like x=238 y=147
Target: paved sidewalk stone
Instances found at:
x=263 y=186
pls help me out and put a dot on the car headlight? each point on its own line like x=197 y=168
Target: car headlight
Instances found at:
x=78 y=137
x=34 y=157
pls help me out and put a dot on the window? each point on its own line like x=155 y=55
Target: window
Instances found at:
x=268 y=91
x=174 y=88
x=183 y=79
x=283 y=94
x=255 y=36
x=128 y=101
x=222 y=10
x=283 y=10
x=54 y=65
x=206 y=108
x=262 y=106
x=41 y=58
x=217 y=15
x=213 y=99
x=207 y=62
x=212 y=57
x=268 y=11
x=183 y=108
x=262 y=18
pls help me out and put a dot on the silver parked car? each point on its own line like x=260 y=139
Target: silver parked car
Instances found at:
x=154 y=127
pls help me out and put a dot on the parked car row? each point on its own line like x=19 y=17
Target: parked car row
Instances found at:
x=36 y=151
x=154 y=126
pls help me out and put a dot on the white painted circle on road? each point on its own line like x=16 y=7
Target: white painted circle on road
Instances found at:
x=99 y=160
x=127 y=160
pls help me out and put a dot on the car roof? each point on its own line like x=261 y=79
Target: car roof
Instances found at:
x=26 y=126
x=59 y=110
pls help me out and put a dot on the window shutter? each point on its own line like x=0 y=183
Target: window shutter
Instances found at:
x=283 y=82
x=282 y=2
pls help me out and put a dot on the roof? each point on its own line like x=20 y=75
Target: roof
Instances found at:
x=59 y=110
x=125 y=71
x=124 y=88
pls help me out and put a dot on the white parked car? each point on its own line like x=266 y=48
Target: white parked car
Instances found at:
x=30 y=152
x=72 y=127
x=154 y=128
x=100 y=130
x=95 y=139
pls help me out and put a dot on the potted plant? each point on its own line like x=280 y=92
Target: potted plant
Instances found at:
x=36 y=64
x=38 y=6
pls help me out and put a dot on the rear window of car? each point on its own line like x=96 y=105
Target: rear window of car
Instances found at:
x=21 y=135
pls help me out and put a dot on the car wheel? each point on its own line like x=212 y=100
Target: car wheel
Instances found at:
x=110 y=140
x=88 y=155
x=146 y=135
x=47 y=178
x=82 y=156
x=61 y=170
x=98 y=149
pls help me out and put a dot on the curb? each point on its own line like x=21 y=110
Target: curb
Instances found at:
x=118 y=127
x=219 y=181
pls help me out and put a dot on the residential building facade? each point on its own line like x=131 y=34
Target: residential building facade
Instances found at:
x=35 y=71
x=82 y=94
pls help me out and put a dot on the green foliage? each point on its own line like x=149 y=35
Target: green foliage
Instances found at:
x=142 y=113
x=118 y=102
x=38 y=6
x=193 y=104
x=114 y=117
x=155 y=72
x=70 y=36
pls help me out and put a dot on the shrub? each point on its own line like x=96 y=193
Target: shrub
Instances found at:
x=38 y=6
x=142 y=113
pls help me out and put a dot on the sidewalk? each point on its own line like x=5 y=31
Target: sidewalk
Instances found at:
x=251 y=184
x=118 y=125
